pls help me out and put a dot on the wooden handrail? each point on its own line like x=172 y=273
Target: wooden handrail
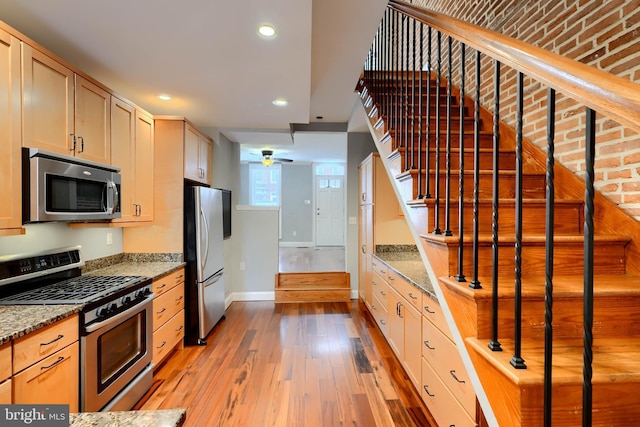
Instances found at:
x=613 y=96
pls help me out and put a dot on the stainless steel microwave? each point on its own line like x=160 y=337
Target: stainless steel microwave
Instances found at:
x=64 y=188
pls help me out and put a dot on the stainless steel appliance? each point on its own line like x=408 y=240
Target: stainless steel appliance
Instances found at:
x=203 y=252
x=115 y=321
x=63 y=188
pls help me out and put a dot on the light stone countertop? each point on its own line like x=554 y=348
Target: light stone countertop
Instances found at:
x=19 y=320
x=408 y=264
x=133 y=268
x=156 y=418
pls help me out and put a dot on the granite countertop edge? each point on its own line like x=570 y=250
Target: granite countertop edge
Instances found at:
x=153 y=418
x=409 y=265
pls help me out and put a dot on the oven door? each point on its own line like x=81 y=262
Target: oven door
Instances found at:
x=113 y=353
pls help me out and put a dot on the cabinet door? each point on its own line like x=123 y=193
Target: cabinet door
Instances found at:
x=92 y=122
x=48 y=103
x=123 y=154
x=205 y=154
x=366 y=181
x=144 y=165
x=53 y=380
x=191 y=149
x=395 y=313
x=413 y=344
x=10 y=143
x=5 y=392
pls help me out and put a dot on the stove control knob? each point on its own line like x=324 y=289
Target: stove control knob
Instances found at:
x=113 y=307
x=102 y=312
x=126 y=300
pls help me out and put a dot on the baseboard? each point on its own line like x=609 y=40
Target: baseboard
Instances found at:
x=296 y=244
x=354 y=294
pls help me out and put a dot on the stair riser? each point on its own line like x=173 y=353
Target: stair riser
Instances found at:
x=486 y=140
x=455 y=124
x=567 y=218
x=415 y=110
x=507 y=159
x=609 y=258
x=533 y=186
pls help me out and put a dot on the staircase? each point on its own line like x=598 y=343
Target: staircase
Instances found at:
x=313 y=287
x=513 y=378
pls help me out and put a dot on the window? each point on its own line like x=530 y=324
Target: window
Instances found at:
x=329 y=169
x=265 y=184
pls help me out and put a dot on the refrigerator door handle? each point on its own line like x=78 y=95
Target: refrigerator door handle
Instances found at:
x=206 y=229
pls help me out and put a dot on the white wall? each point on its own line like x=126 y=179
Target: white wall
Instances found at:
x=45 y=236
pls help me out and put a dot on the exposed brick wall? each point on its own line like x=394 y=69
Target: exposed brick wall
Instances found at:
x=603 y=34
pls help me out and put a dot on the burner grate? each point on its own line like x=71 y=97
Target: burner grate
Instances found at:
x=77 y=290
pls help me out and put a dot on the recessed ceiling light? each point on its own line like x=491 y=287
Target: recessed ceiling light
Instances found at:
x=280 y=102
x=164 y=97
x=267 y=31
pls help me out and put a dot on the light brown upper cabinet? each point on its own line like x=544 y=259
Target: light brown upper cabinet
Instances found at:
x=63 y=112
x=197 y=155
x=10 y=136
x=132 y=152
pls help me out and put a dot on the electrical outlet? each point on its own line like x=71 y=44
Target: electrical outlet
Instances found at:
x=242 y=266
x=109 y=238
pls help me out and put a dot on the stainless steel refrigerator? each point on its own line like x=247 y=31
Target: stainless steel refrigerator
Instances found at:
x=203 y=250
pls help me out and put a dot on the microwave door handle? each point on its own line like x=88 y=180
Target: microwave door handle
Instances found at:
x=116 y=197
x=111 y=191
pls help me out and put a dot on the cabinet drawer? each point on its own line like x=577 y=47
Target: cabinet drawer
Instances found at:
x=167 y=336
x=34 y=347
x=432 y=311
x=5 y=361
x=167 y=305
x=409 y=292
x=379 y=312
x=444 y=358
x=5 y=392
x=441 y=403
x=379 y=267
x=380 y=288
x=164 y=283
x=53 y=380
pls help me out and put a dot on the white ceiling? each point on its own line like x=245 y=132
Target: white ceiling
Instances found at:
x=207 y=56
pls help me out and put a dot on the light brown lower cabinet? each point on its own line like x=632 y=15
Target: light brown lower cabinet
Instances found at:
x=5 y=392
x=53 y=380
x=168 y=315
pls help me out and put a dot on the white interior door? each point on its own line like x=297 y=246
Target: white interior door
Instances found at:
x=329 y=210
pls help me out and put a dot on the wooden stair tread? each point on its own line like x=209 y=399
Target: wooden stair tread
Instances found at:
x=526 y=239
x=617 y=285
x=614 y=360
x=503 y=172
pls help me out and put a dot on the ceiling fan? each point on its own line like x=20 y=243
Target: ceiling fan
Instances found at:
x=268 y=159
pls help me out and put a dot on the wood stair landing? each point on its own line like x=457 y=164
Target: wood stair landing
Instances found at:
x=313 y=287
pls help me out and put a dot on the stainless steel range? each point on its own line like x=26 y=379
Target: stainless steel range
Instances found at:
x=115 y=321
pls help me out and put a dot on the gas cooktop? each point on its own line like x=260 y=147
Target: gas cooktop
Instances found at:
x=76 y=290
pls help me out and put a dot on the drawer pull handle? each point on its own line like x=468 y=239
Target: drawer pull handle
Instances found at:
x=60 y=359
x=162 y=345
x=383 y=322
x=374 y=308
x=181 y=326
x=453 y=374
x=411 y=296
x=180 y=276
x=53 y=340
x=426 y=308
x=427 y=391
x=383 y=271
x=179 y=298
x=383 y=294
x=426 y=343
x=391 y=278
x=162 y=286
x=161 y=311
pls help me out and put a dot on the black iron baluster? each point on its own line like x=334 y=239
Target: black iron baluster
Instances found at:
x=428 y=138
x=447 y=179
x=475 y=283
x=460 y=276
x=494 y=344
x=420 y=142
x=548 y=286
x=405 y=137
x=413 y=95
x=436 y=211
x=516 y=360
x=589 y=231
x=387 y=76
x=395 y=48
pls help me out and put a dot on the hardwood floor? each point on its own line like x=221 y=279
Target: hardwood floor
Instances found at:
x=267 y=364
x=320 y=259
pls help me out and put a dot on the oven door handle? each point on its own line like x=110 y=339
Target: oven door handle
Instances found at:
x=120 y=316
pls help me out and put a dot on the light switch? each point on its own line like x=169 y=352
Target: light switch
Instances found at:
x=307 y=202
